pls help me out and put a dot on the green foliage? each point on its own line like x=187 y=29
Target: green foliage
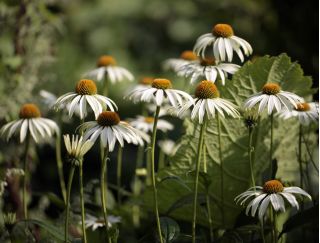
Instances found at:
x=247 y=81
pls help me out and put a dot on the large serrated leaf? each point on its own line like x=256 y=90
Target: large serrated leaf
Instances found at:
x=247 y=81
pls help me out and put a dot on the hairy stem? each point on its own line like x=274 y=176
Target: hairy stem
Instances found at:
x=271 y=146
x=221 y=167
x=196 y=181
x=119 y=168
x=60 y=167
x=66 y=225
x=103 y=186
x=253 y=183
x=82 y=202
x=26 y=176
x=153 y=178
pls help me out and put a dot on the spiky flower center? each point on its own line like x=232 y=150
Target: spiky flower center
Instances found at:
x=222 y=30
x=29 y=111
x=149 y=119
x=273 y=186
x=210 y=61
x=188 y=55
x=271 y=89
x=303 y=107
x=161 y=83
x=86 y=87
x=146 y=81
x=105 y=60
x=108 y=119
x=207 y=90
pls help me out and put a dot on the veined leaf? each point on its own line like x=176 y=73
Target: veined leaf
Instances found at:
x=236 y=173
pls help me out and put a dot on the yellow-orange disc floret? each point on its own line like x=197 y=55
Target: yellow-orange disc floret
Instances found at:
x=149 y=119
x=108 y=118
x=207 y=90
x=222 y=30
x=29 y=111
x=161 y=83
x=271 y=89
x=303 y=107
x=105 y=61
x=86 y=87
x=273 y=186
x=188 y=56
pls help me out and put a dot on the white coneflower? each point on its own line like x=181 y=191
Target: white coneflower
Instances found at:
x=168 y=147
x=110 y=129
x=305 y=112
x=85 y=92
x=207 y=102
x=95 y=223
x=273 y=98
x=107 y=66
x=208 y=68
x=30 y=122
x=77 y=146
x=174 y=64
x=224 y=42
x=159 y=92
x=272 y=193
x=145 y=124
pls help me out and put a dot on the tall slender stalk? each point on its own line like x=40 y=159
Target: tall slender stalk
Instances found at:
x=26 y=175
x=66 y=225
x=253 y=183
x=262 y=231
x=103 y=183
x=221 y=167
x=153 y=178
x=82 y=202
x=207 y=195
x=119 y=168
x=196 y=182
x=271 y=146
x=60 y=167
x=275 y=232
x=300 y=156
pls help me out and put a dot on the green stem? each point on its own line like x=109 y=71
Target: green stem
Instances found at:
x=103 y=184
x=250 y=157
x=139 y=160
x=149 y=176
x=153 y=178
x=82 y=202
x=26 y=175
x=262 y=231
x=221 y=167
x=207 y=195
x=271 y=146
x=119 y=168
x=275 y=232
x=196 y=182
x=300 y=156
x=66 y=226
x=60 y=167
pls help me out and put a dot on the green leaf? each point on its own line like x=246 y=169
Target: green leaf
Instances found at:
x=169 y=228
x=246 y=82
x=54 y=231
